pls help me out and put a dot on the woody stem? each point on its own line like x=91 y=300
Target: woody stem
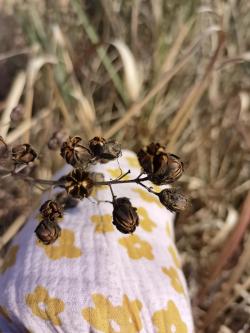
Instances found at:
x=117 y=181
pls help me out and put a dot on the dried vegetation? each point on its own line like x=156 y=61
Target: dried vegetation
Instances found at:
x=170 y=71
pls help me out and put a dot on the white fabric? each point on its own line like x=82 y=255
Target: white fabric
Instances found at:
x=94 y=278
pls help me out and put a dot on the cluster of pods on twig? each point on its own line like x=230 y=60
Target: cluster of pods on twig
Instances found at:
x=157 y=166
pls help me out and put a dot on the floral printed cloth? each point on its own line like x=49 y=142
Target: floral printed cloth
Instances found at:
x=94 y=278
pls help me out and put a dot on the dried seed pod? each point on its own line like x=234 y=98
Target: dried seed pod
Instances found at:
x=160 y=166
x=66 y=201
x=125 y=217
x=4 y=150
x=111 y=151
x=17 y=113
x=168 y=168
x=73 y=152
x=23 y=154
x=96 y=145
x=51 y=210
x=147 y=155
x=104 y=151
x=173 y=200
x=78 y=183
x=57 y=139
x=48 y=231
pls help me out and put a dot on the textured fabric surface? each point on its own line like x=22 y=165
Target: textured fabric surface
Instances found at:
x=94 y=278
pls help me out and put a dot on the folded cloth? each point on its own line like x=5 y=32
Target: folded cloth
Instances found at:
x=94 y=278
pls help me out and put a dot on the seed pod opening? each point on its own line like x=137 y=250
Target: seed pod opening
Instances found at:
x=160 y=166
x=48 y=231
x=78 y=183
x=96 y=145
x=173 y=200
x=125 y=217
x=73 y=152
x=51 y=210
x=23 y=154
x=104 y=151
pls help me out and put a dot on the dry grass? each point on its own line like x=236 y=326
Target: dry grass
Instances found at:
x=172 y=71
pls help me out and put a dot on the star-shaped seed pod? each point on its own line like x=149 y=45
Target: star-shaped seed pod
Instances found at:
x=78 y=183
x=51 y=210
x=104 y=151
x=125 y=217
x=173 y=200
x=73 y=152
x=160 y=166
x=23 y=154
x=48 y=231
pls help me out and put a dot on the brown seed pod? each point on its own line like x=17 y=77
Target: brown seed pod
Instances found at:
x=173 y=200
x=17 y=114
x=23 y=154
x=96 y=145
x=73 y=152
x=104 y=151
x=125 y=217
x=48 y=231
x=57 y=139
x=51 y=210
x=78 y=183
x=160 y=166
x=66 y=201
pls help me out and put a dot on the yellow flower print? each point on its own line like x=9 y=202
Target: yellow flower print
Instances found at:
x=44 y=306
x=168 y=230
x=168 y=320
x=106 y=317
x=4 y=313
x=10 y=258
x=148 y=197
x=174 y=277
x=103 y=223
x=136 y=247
x=175 y=256
x=115 y=173
x=145 y=222
x=64 y=247
x=133 y=162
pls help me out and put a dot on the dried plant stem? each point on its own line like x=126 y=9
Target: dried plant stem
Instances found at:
x=100 y=50
x=12 y=230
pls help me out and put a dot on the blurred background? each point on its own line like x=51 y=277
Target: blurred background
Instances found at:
x=171 y=71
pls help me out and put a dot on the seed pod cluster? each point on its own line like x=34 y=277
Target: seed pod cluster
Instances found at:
x=160 y=166
x=125 y=217
x=48 y=229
